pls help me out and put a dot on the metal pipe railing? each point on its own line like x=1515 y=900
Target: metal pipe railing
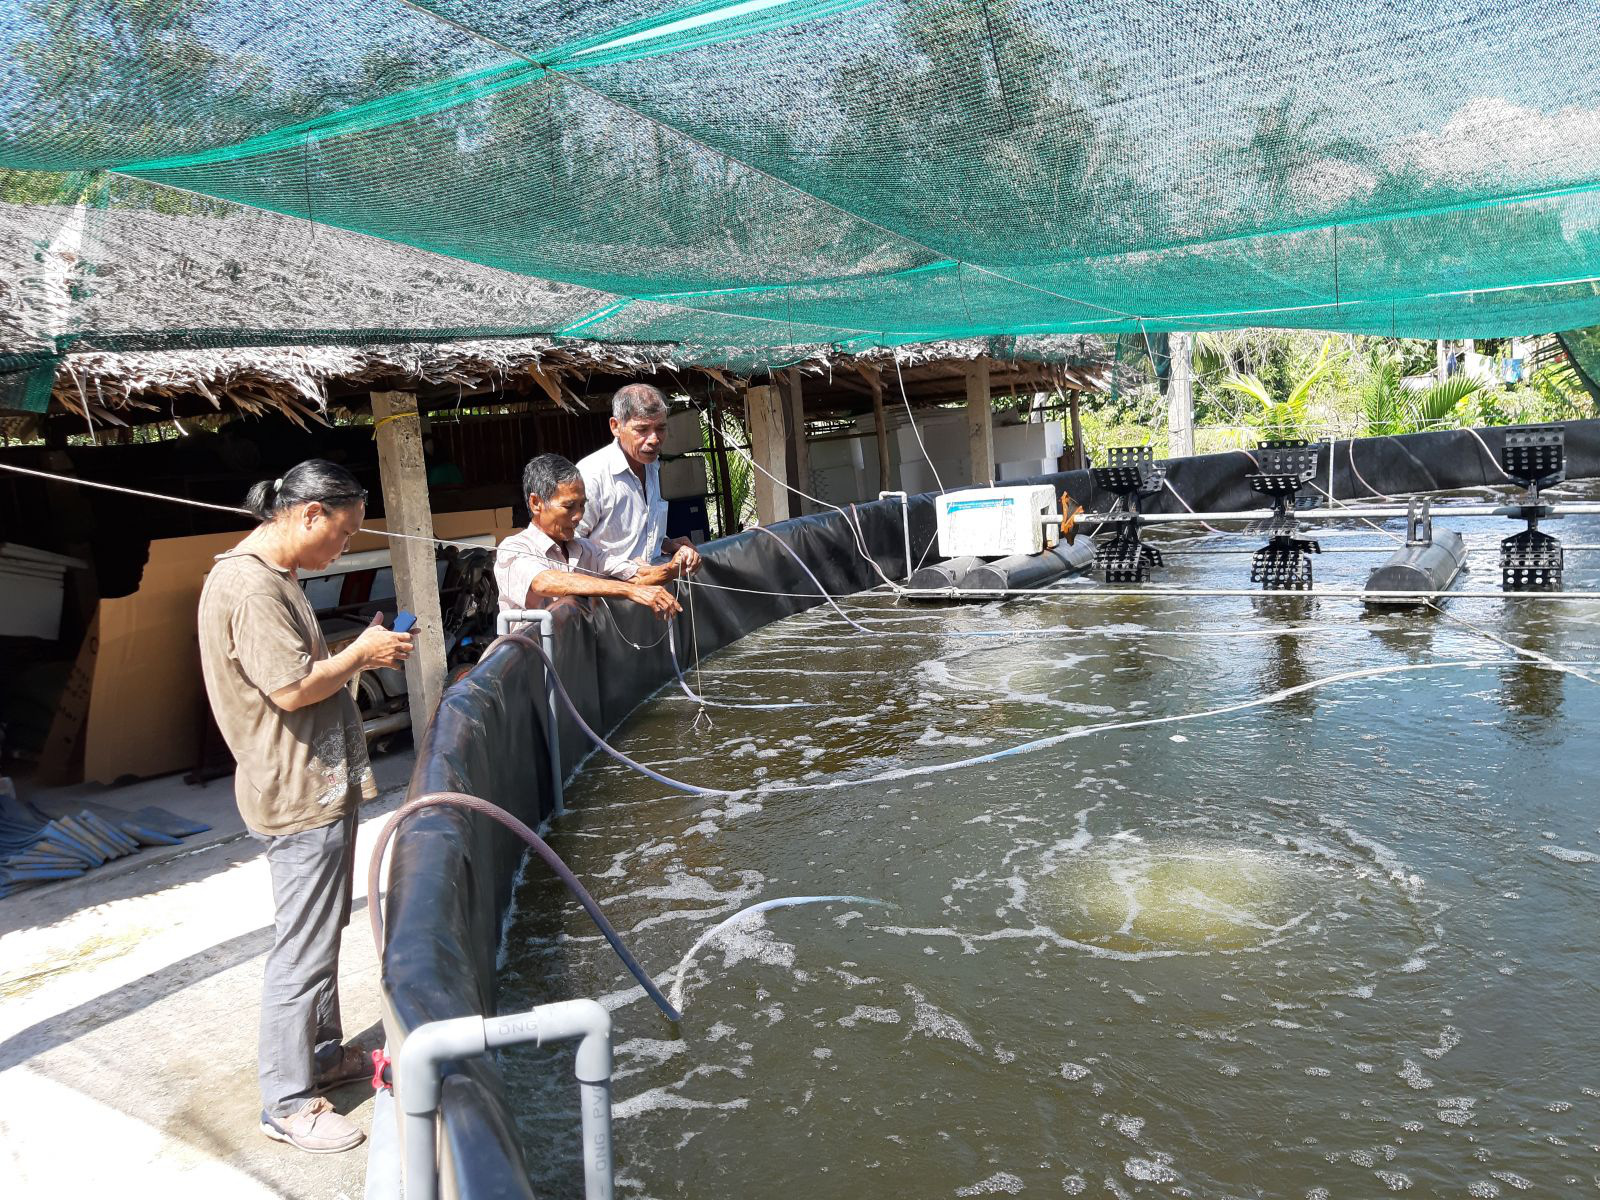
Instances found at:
x=419 y=1074
x=1369 y=513
x=503 y=622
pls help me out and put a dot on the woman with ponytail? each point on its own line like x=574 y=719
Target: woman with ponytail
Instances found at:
x=285 y=708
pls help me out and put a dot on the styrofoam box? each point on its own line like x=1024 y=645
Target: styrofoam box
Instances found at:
x=917 y=477
x=837 y=485
x=682 y=477
x=835 y=452
x=683 y=433
x=994 y=522
x=1017 y=443
x=30 y=602
x=1026 y=469
x=944 y=436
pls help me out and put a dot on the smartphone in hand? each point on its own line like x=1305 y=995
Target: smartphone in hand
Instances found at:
x=403 y=621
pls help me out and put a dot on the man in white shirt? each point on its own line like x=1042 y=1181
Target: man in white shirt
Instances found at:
x=548 y=559
x=626 y=515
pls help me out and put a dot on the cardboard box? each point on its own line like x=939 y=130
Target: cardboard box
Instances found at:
x=147 y=691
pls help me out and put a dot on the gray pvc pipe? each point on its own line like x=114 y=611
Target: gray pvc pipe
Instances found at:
x=1032 y=570
x=591 y=1023
x=503 y=622
x=905 y=527
x=419 y=1072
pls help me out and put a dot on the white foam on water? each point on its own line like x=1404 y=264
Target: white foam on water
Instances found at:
x=1072 y=1072
x=1128 y=1127
x=933 y=1022
x=641 y=1054
x=1411 y=1072
x=1074 y=1185
x=853 y=721
x=878 y=1016
x=754 y=941
x=621 y=998
x=1562 y=854
x=1456 y=1110
x=1449 y=1039
x=1000 y=1183
x=1512 y=1178
x=931 y=736
x=852 y=981
x=1482 y=1189
x=1382 y=855
x=659 y=1098
x=1151 y=1170
x=1395 y=1181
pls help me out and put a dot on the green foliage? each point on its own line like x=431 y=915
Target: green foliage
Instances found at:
x=1286 y=418
x=741 y=476
x=1439 y=404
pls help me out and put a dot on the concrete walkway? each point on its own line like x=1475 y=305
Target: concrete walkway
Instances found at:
x=128 y=1006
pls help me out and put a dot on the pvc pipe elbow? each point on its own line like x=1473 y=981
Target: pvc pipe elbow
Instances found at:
x=423 y=1055
x=562 y=1021
x=507 y=617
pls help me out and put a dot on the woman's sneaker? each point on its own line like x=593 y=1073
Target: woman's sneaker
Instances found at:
x=314 y=1128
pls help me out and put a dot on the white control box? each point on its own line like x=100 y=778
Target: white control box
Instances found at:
x=994 y=522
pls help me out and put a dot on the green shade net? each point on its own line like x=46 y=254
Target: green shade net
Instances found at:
x=747 y=179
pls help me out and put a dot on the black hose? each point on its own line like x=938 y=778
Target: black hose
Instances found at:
x=539 y=846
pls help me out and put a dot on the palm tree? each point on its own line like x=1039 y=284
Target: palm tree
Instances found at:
x=1284 y=418
x=1389 y=409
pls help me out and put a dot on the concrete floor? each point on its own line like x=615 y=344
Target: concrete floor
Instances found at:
x=128 y=1002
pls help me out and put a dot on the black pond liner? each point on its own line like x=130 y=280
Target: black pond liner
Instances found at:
x=451 y=872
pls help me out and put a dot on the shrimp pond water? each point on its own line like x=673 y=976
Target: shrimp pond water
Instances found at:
x=1339 y=941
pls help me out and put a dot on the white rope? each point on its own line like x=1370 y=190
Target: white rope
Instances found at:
x=855 y=530
x=1079 y=731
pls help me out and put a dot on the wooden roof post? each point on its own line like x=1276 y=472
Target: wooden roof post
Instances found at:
x=980 y=422
x=880 y=427
x=1180 y=396
x=798 y=455
x=765 y=414
x=398 y=430
x=1079 y=459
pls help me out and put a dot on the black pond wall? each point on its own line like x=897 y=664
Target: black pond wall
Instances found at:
x=451 y=873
